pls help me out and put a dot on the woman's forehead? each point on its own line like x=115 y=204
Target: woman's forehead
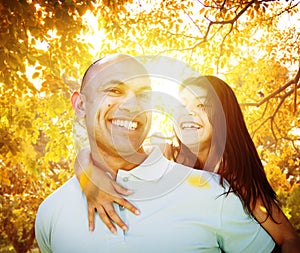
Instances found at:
x=193 y=91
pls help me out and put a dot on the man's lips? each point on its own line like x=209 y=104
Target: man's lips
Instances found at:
x=128 y=124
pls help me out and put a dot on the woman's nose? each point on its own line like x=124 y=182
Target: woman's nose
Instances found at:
x=191 y=113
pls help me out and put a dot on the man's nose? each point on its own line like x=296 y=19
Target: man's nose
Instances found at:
x=131 y=103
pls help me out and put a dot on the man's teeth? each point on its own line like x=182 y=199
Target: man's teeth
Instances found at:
x=190 y=125
x=130 y=125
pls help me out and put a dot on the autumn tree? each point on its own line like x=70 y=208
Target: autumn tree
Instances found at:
x=46 y=45
x=36 y=116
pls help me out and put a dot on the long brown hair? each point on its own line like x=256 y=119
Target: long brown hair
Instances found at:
x=240 y=165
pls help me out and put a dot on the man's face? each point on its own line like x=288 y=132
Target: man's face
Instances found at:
x=117 y=106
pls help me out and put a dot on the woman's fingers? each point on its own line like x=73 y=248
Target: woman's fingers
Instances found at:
x=108 y=214
x=101 y=194
x=120 y=189
x=121 y=201
x=126 y=204
x=110 y=211
x=91 y=217
x=106 y=220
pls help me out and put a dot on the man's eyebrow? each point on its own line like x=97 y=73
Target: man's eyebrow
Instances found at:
x=112 y=82
x=121 y=83
x=115 y=83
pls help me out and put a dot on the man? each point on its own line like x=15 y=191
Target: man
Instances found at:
x=182 y=210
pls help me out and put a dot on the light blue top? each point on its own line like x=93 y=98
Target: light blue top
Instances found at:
x=182 y=210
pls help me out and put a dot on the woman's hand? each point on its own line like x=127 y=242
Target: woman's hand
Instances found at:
x=101 y=191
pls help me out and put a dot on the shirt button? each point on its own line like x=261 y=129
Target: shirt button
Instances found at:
x=125 y=179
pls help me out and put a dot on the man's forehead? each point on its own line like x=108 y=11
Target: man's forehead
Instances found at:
x=117 y=62
x=120 y=79
x=126 y=70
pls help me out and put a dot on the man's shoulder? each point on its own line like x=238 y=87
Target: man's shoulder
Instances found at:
x=59 y=196
x=55 y=209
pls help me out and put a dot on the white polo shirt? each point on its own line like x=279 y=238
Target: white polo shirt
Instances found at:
x=182 y=210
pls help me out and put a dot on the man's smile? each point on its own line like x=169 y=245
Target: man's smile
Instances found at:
x=128 y=124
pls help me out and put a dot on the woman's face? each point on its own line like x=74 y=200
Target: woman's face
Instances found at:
x=192 y=125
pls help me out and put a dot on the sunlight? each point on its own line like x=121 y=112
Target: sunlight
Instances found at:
x=90 y=20
x=295 y=131
x=166 y=94
x=287 y=21
x=42 y=45
x=34 y=75
x=95 y=34
x=38 y=7
x=53 y=34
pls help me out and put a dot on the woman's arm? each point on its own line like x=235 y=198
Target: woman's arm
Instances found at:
x=101 y=191
x=281 y=229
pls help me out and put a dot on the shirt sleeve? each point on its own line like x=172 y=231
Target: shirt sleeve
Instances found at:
x=42 y=230
x=239 y=231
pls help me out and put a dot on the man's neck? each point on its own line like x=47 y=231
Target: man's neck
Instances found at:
x=112 y=163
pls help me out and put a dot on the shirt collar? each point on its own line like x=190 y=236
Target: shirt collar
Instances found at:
x=152 y=168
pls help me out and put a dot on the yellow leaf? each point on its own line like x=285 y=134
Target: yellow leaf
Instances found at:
x=35 y=75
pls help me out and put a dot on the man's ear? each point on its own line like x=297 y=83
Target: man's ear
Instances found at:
x=78 y=103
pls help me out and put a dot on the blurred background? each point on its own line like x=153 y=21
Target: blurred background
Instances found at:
x=46 y=45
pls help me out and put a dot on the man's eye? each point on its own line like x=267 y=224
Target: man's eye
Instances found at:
x=113 y=91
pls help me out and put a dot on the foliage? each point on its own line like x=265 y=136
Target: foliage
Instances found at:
x=45 y=47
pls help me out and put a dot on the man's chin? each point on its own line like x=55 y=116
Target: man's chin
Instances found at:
x=132 y=156
x=127 y=150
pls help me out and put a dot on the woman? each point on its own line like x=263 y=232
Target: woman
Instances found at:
x=212 y=135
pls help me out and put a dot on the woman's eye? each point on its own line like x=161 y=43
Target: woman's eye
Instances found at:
x=201 y=106
x=144 y=96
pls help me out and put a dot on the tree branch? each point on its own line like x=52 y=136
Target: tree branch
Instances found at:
x=276 y=92
x=212 y=23
x=232 y=21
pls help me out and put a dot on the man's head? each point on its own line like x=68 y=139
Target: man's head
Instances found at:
x=114 y=100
